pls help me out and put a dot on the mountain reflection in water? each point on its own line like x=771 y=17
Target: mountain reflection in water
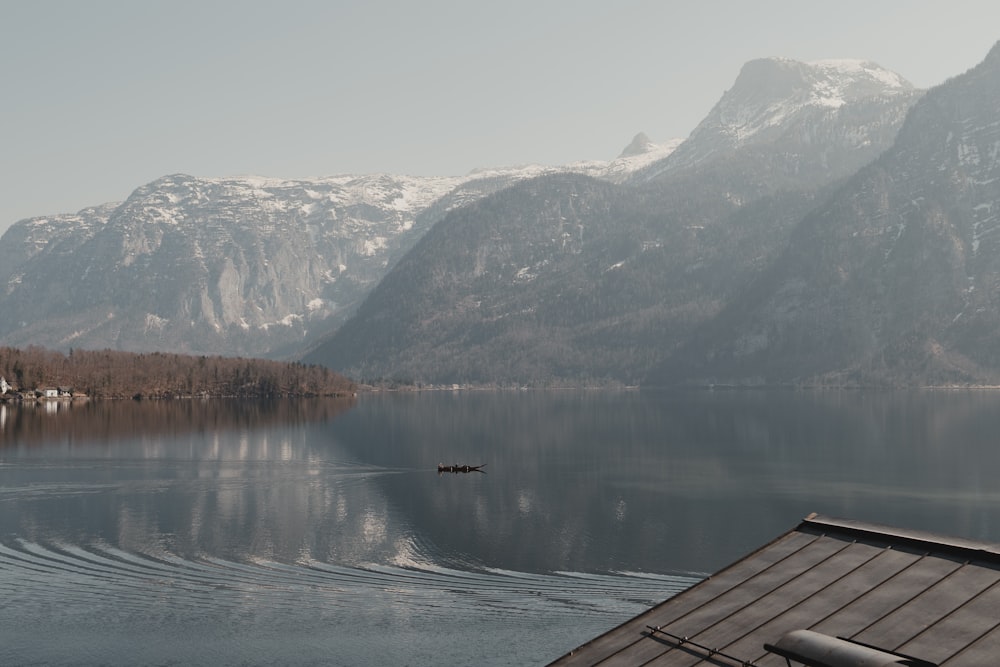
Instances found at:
x=65 y=421
x=319 y=531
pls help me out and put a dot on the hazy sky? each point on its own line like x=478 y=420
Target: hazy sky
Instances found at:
x=101 y=96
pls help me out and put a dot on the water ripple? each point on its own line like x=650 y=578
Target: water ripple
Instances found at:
x=158 y=603
x=80 y=571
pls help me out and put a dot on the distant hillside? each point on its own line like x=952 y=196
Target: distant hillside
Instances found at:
x=895 y=280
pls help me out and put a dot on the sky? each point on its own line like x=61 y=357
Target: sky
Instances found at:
x=98 y=97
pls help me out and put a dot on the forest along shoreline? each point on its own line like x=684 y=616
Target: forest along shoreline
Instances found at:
x=41 y=374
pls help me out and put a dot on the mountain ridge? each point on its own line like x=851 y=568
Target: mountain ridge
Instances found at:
x=250 y=265
x=778 y=243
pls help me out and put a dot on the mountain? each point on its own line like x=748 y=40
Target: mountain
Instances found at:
x=820 y=116
x=235 y=266
x=567 y=279
x=894 y=279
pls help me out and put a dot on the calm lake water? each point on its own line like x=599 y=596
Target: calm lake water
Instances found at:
x=319 y=532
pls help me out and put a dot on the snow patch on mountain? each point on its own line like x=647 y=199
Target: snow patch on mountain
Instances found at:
x=790 y=87
x=838 y=81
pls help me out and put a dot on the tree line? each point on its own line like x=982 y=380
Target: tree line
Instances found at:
x=116 y=374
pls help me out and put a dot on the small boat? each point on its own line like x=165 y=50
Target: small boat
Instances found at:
x=458 y=468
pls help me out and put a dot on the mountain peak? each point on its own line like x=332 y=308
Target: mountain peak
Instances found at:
x=640 y=144
x=768 y=79
x=792 y=84
x=773 y=96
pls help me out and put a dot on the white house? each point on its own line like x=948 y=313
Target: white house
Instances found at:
x=4 y=387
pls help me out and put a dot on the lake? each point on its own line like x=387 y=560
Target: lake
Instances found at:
x=319 y=532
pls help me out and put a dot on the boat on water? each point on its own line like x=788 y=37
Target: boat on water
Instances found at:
x=462 y=468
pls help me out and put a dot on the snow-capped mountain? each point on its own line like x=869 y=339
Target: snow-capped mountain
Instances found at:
x=804 y=104
x=59 y=234
x=249 y=266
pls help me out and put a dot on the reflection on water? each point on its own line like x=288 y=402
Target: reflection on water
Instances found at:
x=307 y=532
x=678 y=482
x=67 y=422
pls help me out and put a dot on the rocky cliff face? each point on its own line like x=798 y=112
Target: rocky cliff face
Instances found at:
x=243 y=266
x=570 y=280
x=234 y=266
x=895 y=279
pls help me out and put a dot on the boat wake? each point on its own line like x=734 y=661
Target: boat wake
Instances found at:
x=137 y=604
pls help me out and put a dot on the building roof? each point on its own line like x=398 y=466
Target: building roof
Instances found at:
x=897 y=593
